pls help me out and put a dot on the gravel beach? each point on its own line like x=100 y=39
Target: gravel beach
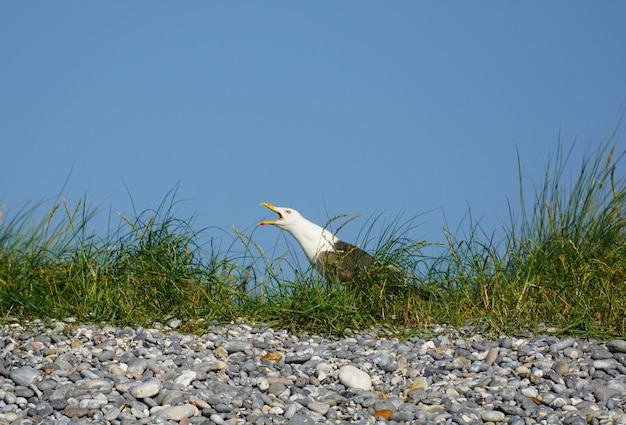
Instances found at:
x=64 y=373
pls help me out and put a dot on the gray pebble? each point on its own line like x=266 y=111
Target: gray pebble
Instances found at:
x=301 y=420
x=24 y=375
x=217 y=419
x=297 y=358
x=617 y=346
x=601 y=354
x=604 y=364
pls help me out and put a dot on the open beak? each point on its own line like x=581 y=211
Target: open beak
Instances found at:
x=273 y=208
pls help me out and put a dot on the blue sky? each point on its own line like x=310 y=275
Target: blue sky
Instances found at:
x=331 y=107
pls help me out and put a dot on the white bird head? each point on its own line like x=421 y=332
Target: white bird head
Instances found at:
x=312 y=238
x=288 y=218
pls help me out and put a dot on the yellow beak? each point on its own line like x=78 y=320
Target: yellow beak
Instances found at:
x=273 y=208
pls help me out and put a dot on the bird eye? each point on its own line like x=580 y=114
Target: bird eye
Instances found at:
x=288 y=211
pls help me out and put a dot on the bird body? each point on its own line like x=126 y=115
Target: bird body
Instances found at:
x=323 y=249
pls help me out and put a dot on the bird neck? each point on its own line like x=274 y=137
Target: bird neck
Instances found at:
x=313 y=239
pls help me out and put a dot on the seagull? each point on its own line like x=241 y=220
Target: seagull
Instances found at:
x=325 y=251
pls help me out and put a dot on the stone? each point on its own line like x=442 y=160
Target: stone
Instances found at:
x=604 y=364
x=148 y=388
x=24 y=375
x=616 y=346
x=237 y=346
x=299 y=419
x=75 y=412
x=178 y=413
x=318 y=407
x=493 y=416
x=136 y=368
x=355 y=378
x=561 y=367
x=186 y=377
x=492 y=356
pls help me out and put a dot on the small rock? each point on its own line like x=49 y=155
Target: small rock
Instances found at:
x=217 y=419
x=355 y=378
x=177 y=413
x=616 y=346
x=492 y=356
x=318 y=407
x=601 y=354
x=97 y=384
x=146 y=389
x=44 y=409
x=262 y=383
x=276 y=388
x=561 y=367
x=136 y=368
x=174 y=323
x=563 y=344
x=220 y=352
x=403 y=417
x=237 y=346
x=298 y=358
x=602 y=393
x=24 y=375
x=10 y=417
x=112 y=413
x=298 y=419
x=572 y=353
x=604 y=364
x=186 y=377
x=419 y=383
x=75 y=412
x=493 y=416
x=10 y=398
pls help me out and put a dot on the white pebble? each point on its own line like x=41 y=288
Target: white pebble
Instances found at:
x=276 y=410
x=186 y=377
x=355 y=378
x=530 y=391
x=262 y=384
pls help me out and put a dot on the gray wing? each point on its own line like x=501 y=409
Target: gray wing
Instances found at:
x=344 y=261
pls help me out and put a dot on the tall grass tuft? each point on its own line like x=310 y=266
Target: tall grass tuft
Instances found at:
x=568 y=259
x=149 y=268
x=561 y=264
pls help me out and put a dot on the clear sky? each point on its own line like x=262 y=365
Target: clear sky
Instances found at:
x=330 y=107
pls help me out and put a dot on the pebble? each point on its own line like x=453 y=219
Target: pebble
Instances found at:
x=493 y=416
x=64 y=372
x=561 y=367
x=146 y=389
x=617 y=346
x=24 y=375
x=492 y=355
x=177 y=413
x=355 y=378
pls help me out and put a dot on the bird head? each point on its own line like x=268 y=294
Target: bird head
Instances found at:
x=286 y=216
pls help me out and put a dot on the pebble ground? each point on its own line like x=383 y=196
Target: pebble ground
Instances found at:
x=65 y=373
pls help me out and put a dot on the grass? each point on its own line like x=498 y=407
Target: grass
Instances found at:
x=560 y=264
